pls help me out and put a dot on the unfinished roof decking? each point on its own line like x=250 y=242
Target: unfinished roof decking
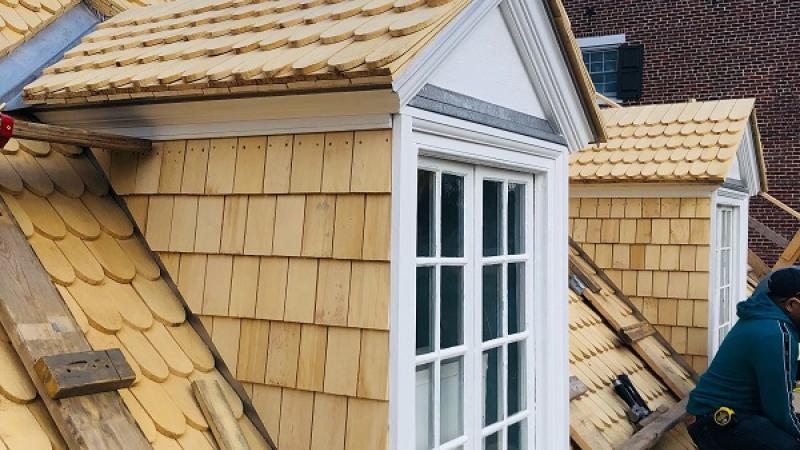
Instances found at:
x=681 y=142
x=597 y=356
x=189 y=46
x=115 y=291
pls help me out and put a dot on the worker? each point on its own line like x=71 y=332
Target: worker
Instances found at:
x=744 y=400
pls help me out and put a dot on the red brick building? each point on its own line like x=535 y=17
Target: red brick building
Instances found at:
x=706 y=50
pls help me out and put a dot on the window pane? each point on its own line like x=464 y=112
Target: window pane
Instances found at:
x=452 y=306
x=492 y=302
x=425 y=306
x=492 y=389
x=426 y=199
x=516 y=377
x=424 y=407
x=492 y=218
x=516 y=219
x=517 y=435
x=452 y=405
x=516 y=297
x=492 y=442
x=452 y=215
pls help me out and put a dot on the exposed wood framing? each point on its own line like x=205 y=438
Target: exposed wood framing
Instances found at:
x=39 y=324
x=767 y=232
x=781 y=205
x=75 y=136
x=219 y=415
x=791 y=253
x=637 y=332
x=758 y=266
x=649 y=436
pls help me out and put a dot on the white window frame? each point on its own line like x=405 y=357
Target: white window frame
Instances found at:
x=421 y=133
x=598 y=43
x=739 y=201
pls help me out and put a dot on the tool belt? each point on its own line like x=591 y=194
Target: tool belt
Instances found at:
x=723 y=417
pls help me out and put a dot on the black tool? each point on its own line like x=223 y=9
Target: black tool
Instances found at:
x=627 y=391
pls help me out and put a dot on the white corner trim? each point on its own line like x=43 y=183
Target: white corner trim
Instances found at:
x=252 y=116
x=612 y=40
x=530 y=23
x=644 y=190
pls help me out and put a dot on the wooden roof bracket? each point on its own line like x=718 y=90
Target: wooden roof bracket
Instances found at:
x=74 y=136
x=651 y=433
x=39 y=324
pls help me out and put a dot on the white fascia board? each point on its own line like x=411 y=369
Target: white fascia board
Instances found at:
x=251 y=116
x=642 y=190
x=538 y=45
x=748 y=162
x=552 y=75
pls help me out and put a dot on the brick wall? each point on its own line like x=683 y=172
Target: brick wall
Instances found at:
x=712 y=49
x=657 y=251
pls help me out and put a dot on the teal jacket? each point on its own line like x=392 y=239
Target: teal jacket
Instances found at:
x=755 y=368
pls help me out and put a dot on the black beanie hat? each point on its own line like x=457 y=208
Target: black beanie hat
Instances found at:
x=785 y=282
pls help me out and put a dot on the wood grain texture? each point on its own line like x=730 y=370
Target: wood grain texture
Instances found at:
x=311 y=362
x=348 y=237
x=278 y=168
x=301 y=290
x=218 y=413
x=288 y=234
x=342 y=361
x=307 y=159
x=271 y=296
x=29 y=298
x=372 y=162
x=250 y=161
x=260 y=225
x=77 y=136
x=284 y=349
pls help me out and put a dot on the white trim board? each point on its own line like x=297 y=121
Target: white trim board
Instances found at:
x=611 y=40
x=643 y=190
x=748 y=162
x=252 y=116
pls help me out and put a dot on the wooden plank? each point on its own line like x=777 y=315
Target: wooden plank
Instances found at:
x=636 y=332
x=39 y=325
x=288 y=234
x=252 y=357
x=311 y=363
x=318 y=225
x=758 y=266
x=244 y=286
x=337 y=162
x=372 y=161
x=373 y=369
x=278 y=167
x=576 y=387
x=82 y=373
x=234 y=221
x=195 y=167
x=271 y=296
x=790 y=254
x=780 y=205
x=649 y=436
x=367 y=424
x=377 y=227
x=77 y=136
x=219 y=415
x=342 y=360
x=221 y=166
x=250 y=157
x=348 y=235
x=260 y=225
x=172 y=167
x=282 y=354
x=307 y=163
x=301 y=290
x=767 y=232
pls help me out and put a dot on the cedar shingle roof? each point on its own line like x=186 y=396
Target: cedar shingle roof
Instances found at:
x=694 y=141
x=186 y=46
x=597 y=356
x=115 y=291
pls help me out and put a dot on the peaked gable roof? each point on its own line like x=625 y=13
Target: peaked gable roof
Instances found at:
x=695 y=141
x=598 y=312
x=115 y=290
x=189 y=46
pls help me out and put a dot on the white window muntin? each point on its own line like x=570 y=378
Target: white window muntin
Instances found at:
x=469 y=352
x=725 y=256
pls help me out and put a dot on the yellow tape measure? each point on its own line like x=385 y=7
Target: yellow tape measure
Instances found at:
x=723 y=416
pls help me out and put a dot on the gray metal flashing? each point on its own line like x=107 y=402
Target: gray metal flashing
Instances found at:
x=25 y=63
x=735 y=185
x=442 y=101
